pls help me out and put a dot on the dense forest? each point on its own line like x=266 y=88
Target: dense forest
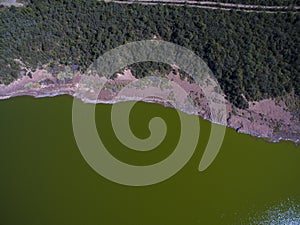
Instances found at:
x=255 y=55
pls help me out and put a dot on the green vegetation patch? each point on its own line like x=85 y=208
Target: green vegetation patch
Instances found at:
x=255 y=55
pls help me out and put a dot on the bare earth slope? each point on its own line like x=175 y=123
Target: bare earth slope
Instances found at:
x=269 y=118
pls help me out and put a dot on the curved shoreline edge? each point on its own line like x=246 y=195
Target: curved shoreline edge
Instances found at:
x=56 y=93
x=269 y=119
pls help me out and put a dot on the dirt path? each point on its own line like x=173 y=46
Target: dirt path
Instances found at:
x=216 y=5
x=10 y=3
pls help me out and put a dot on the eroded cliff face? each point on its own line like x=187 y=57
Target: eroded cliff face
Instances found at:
x=270 y=118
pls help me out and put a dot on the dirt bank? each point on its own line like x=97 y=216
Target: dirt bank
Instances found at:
x=268 y=118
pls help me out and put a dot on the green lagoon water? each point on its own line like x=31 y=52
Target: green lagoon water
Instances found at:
x=44 y=180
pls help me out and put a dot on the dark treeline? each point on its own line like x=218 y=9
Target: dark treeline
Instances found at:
x=255 y=55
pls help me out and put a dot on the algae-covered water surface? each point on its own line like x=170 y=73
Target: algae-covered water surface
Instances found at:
x=45 y=180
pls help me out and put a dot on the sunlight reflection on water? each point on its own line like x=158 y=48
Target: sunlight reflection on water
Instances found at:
x=284 y=213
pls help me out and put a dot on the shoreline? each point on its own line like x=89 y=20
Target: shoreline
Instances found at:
x=266 y=119
x=109 y=102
